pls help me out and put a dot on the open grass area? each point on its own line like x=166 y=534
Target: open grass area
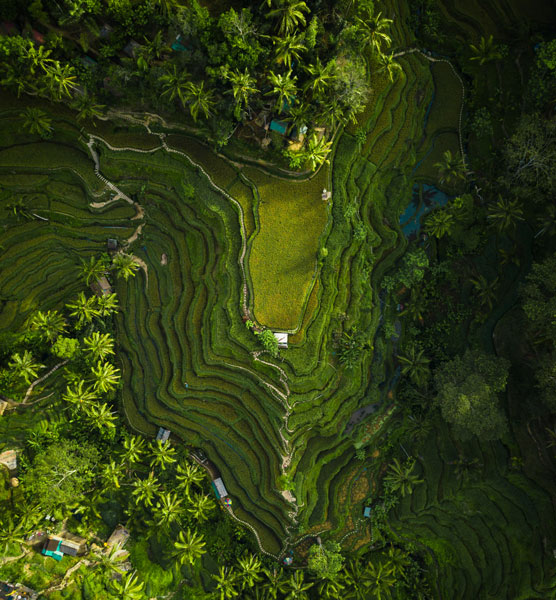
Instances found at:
x=283 y=254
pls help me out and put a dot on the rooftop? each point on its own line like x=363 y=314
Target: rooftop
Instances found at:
x=282 y=339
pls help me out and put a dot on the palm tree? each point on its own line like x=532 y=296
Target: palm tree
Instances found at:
x=144 y=490
x=105 y=376
x=188 y=474
x=547 y=221
x=49 y=324
x=174 y=84
x=157 y=47
x=439 y=223
x=199 y=99
x=101 y=417
x=415 y=364
x=88 y=507
x=111 y=473
x=288 y=49
x=19 y=208
x=84 y=309
x=36 y=121
x=59 y=80
x=189 y=547
x=390 y=65
x=134 y=448
x=416 y=305
x=379 y=580
x=321 y=77
x=290 y=15
x=283 y=87
x=13 y=531
x=508 y=257
x=275 y=582
x=129 y=587
x=398 y=561
x=299 y=115
x=167 y=7
x=93 y=270
x=201 y=507
x=330 y=588
x=296 y=587
x=250 y=568
x=79 y=395
x=332 y=112
x=99 y=346
x=505 y=213
x=109 y=562
x=107 y=304
x=87 y=107
x=243 y=86
x=125 y=265
x=486 y=291
x=226 y=583
x=317 y=151
x=168 y=510
x=355 y=579
x=400 y=477
x=24 y=365
x=464 y=467
x=373 y=31
x=451 y=168
x=486 y=51
x=162 y=454
x=37 y=57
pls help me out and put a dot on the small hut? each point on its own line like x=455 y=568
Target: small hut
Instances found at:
x=367 y=512
x=105 y=31
x=56 y=547
x=282 y=339
x=9 y=459
x=118 y=538
x=111 y=245
x=163 y=435
x=278 y=126
x=131 y=48
x=11 y=591
x=219 y=488
x=3 y=405
x=101 y=287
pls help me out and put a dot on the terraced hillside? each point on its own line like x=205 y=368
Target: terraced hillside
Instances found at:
x=274 y=427
x=486 y=521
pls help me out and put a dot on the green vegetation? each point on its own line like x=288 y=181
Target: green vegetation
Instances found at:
x=177 y=182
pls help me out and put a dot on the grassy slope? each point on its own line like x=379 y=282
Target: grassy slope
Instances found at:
x=283 y=254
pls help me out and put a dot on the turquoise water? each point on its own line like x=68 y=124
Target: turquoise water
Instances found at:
x=420 y=205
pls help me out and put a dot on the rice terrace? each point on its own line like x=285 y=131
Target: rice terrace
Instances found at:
x=277 y=299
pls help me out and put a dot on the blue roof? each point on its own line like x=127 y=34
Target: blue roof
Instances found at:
x=177 y=46
x=278 y=126
x=367 y=511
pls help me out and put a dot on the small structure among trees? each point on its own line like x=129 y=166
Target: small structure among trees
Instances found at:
x=56 y=547
x=163 y=435
x=118 y=537
x=219 y=488
x=281 y=338
x=9 y=460
x=101 y=287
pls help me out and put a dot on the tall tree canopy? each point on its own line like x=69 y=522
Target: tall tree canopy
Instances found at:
x=468 y=389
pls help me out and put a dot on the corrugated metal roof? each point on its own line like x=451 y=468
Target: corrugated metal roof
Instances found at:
x=220 y=488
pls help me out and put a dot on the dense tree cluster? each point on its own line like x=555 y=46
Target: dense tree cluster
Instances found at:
x=305 y=63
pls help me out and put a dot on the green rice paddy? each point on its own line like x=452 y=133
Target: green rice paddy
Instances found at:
x=187 y=358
